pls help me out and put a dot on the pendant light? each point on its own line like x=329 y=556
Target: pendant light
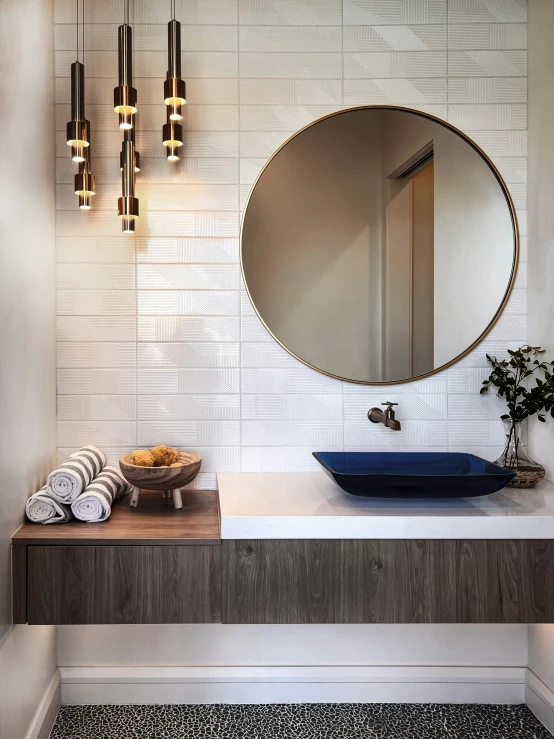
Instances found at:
x=85 y=186
x=174 y=89
x=130 y=134
x=172 y=138
x=125 y=95
x=125 y=103
x=128 y=204
x=76 y=129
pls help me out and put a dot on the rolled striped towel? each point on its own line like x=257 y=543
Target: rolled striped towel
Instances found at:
x=42 y=508
x=95 y=504
x=70 y=478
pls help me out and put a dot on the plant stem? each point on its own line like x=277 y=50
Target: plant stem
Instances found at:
x=512 y=459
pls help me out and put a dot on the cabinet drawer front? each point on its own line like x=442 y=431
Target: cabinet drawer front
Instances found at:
x=123 y=584
x=388 y=581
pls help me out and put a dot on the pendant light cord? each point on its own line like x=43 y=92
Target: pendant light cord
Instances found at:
x=126 y=12
x=77 y=28
x=83 y=3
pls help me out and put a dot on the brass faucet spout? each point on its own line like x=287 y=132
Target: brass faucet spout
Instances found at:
x=386 y=417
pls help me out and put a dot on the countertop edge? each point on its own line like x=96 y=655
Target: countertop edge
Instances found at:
x=406 y=527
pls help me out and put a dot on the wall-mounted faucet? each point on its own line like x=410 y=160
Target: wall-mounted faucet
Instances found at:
x=387 y=418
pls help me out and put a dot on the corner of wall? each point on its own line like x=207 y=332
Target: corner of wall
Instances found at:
x=541 y=216
x=27 y=332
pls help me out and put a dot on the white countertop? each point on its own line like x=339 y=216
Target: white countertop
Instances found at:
x=311 y=506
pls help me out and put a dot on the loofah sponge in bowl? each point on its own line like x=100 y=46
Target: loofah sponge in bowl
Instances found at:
x=164 y=455
x=142 y=458
x=176 y=475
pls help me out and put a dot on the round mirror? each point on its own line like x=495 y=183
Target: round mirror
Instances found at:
x=379 y=244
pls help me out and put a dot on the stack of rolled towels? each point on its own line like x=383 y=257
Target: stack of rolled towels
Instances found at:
x=83 y=486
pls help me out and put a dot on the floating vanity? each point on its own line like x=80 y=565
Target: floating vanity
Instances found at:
x=294 y=548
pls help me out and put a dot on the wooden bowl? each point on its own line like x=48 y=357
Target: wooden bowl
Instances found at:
x=162 y=478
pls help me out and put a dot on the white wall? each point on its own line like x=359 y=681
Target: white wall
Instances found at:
x=541 y=652
x=227 y=645
x=156 y=339
x=255 y=663
x=541 y=213
x=541 y=267
x=27 y=327
x=28 y=680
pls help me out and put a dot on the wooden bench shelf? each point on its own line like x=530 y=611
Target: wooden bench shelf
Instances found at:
x=155 y=521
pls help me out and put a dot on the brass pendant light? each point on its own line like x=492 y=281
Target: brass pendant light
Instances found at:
x=85 y=185
x=130 y=134
x=128 y=204
x=125 y=95
x=172 y=138
x=125 y=104
x=76 y=129
x=174 y=90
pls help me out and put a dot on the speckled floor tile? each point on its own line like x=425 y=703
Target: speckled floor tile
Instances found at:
x=299 y=721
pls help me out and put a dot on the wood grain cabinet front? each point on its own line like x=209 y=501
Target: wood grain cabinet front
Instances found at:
x=388 y=581
x=123 y=584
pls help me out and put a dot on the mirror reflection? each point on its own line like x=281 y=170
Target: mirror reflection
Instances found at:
x=378 y=245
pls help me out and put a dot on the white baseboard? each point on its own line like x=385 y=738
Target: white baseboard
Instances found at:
x=327 y=684
x=46 y=713
x=540 y=699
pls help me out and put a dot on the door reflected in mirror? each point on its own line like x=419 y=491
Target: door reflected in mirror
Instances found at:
x=379 y=245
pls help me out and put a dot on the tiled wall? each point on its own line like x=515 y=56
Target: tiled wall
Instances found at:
x=157 y=341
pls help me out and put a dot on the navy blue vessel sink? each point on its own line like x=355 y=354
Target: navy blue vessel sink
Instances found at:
x=413 y=474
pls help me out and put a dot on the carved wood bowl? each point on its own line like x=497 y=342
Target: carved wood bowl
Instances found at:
x=162 y=478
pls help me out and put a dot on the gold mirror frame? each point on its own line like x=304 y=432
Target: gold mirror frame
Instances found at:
x=513 y=217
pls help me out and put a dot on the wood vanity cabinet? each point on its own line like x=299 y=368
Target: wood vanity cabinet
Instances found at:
x=388 y=581
x=148 y=565
x=123 y=584
x=154 y=564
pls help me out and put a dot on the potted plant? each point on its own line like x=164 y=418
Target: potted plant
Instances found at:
x=512 y=379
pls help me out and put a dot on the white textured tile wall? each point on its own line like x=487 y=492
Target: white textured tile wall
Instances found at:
x=157 y=340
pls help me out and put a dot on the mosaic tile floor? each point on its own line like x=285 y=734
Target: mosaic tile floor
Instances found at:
x=299 y=721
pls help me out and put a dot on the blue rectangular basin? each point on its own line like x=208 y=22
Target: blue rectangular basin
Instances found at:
x=413 y=474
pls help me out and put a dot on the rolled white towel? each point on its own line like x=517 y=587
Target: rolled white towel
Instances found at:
x=42 y=508
x=95 y=504
x=71 y=477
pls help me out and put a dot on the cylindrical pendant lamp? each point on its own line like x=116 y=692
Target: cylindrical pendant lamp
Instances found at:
x=85 y=185
x=172 y=137
x=174 y=87
x=76 y=128
x=125 y=95
x=128 y=204
x=129 y=135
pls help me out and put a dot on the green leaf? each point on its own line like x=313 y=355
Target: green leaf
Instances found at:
x=508 y=377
